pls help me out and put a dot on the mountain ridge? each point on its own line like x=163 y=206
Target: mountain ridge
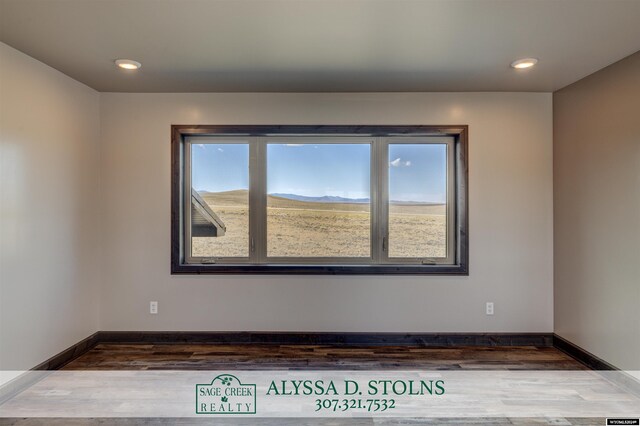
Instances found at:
x=322 y=199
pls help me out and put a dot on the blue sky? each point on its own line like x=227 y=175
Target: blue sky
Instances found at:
x=315 y=170
x=219 y=167
x=416 y=172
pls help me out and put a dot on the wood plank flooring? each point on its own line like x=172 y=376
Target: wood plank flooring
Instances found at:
x=296 y=357
x=300 y=357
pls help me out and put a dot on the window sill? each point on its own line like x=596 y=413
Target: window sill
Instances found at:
x=459 y=269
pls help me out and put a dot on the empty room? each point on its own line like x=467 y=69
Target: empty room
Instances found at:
x=310 y=212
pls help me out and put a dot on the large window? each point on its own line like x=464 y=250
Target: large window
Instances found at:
x=316 y=199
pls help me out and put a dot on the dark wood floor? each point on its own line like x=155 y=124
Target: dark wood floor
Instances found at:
x=272 y=357
x=283 y=357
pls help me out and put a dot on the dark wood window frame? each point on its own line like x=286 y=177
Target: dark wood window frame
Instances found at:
x=459 y=132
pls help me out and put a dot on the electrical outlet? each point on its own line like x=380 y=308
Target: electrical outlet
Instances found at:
x=153 y=307
x=489 y=308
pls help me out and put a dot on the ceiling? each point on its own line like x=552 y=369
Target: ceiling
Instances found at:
x=323 y=45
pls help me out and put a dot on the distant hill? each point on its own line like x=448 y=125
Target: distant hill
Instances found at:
x=240 y=197
x=323 y=199
x=236 y=197
x=343 y=200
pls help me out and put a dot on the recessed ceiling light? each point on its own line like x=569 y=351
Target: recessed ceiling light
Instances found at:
x=524 y=63
x=128 y=64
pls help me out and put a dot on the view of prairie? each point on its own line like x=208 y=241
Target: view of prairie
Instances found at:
x=233 y=208
x=417 y=230
x=300 y=228
x=317 y=229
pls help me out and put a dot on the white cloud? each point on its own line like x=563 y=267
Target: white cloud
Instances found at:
x=399 y=163
x=220 y=149
x=201 y=145
x=294 y=144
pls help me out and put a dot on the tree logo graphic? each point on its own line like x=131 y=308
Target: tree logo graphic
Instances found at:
x=226 y=394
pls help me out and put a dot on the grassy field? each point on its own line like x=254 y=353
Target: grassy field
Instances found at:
x=313 y=229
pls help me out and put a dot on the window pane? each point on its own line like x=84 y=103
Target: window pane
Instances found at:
x=318 y=202
x=220 y=200
x=417 y=200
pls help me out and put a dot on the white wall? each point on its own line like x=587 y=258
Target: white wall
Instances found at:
x=510 y=221
x=49 y=213
x=597 y=213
